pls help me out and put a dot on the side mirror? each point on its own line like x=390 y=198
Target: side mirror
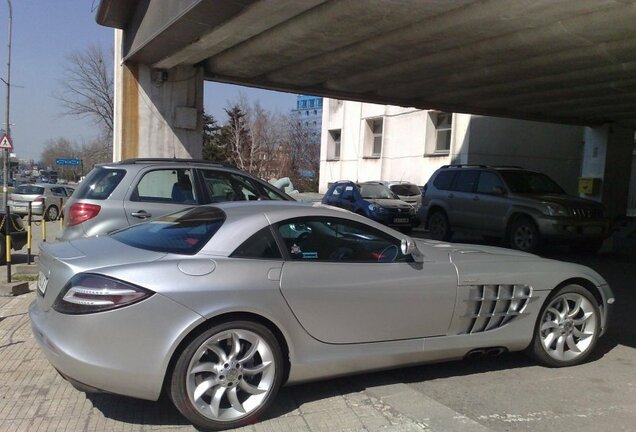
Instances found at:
x=408 y=247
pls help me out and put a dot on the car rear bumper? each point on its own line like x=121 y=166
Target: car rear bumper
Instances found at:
x=126 y=355
x=24 y=209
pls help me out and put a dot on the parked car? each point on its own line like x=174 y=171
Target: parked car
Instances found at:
x=373 y=200
x=18 y=234
x=521 y=206
x=47 y=200
x=406 y=191
x=220 y=305
x=119 y=194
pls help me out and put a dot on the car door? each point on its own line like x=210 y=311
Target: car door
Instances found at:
x=158 y=191
x=490 y=203
x=347 y=282
x=461 y=199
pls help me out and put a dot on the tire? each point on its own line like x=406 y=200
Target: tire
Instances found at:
x=524 y=235
x=227 y=376
x=438 y=226
x=51 y=213
x=567 y=329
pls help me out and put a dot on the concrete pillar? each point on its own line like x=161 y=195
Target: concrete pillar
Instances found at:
x=607 y=154
x=157 y=113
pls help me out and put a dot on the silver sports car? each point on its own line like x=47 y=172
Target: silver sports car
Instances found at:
x=218 y=306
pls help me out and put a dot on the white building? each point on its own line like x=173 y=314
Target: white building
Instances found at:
x=362 y=141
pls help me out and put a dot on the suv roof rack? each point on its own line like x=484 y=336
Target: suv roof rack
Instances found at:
x=509 y=166
x=180 y=160
x=464 y=166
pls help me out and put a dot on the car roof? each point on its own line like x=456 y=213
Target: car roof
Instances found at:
x=159 y=161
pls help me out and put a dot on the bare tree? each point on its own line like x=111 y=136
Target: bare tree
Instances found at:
x=87 y=87
x=58 y=148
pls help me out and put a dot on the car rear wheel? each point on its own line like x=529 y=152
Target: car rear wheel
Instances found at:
x=51 y=213
x=524 y=235
x=227 y=376
x=567 y=329
x=438 y=226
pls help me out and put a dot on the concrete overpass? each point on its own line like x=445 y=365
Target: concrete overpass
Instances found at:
x=568 y=61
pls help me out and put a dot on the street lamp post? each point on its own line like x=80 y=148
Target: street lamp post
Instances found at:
x=5 y=171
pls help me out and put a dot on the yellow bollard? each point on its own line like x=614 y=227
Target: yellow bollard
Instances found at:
x=43 y=229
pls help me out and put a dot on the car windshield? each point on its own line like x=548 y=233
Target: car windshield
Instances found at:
x=528 y=182
x=28 y=190
x=376 y=191
x=406 y=189
x=184 y=232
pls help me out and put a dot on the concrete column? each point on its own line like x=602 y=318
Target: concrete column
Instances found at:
x=607 y=154
x=157 y=113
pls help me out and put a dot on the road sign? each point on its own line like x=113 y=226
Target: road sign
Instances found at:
x=5 y=142
x=75 y=162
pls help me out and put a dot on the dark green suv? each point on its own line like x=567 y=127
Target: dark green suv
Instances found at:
x=524 y=208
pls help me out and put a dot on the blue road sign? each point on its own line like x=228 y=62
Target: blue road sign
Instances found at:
x=76 y=162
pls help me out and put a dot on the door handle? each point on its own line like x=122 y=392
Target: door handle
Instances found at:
x=141 y=214
x=451 y=195
x=475 y=198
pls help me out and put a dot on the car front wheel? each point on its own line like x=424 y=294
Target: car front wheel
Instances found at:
x=524 y=235
x=227 y=376
x=568 y=327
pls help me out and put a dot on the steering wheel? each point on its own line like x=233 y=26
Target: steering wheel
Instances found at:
x=388 y=254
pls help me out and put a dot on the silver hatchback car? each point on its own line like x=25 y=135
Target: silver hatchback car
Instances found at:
x=46 y=200
x=119 y=194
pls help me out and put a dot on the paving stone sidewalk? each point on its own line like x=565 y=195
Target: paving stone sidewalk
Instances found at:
x=34 y=398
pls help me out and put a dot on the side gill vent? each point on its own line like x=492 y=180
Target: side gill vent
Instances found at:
x=493 y=306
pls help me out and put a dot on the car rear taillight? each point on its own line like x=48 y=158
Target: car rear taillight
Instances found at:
x=39 y=199
x=81 y=212
x=90 y=293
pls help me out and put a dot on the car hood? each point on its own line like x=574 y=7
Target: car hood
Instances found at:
x=477 y=264
x=455 y=252
x=562 y=199
x=389 y=203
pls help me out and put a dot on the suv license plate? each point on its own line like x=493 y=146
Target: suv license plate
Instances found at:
x=42 y=282
x=401 y=220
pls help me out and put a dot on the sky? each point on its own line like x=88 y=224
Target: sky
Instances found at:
x=44 y=33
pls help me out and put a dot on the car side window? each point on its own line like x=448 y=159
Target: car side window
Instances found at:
x=444 y=180
x=58 y=191
x=223 y=186
x=338 y=240
x=166 y=185
x=488 y=183
x=259 y=246
x=465 y=181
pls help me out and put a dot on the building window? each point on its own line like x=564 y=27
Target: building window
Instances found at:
x=311 y=103
x=443 y=125
x=438 y=133
x=373 y=138
x=333 y=145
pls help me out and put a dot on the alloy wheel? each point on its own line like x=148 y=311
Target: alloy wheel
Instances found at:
x=568 y=327
x=230 y=375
